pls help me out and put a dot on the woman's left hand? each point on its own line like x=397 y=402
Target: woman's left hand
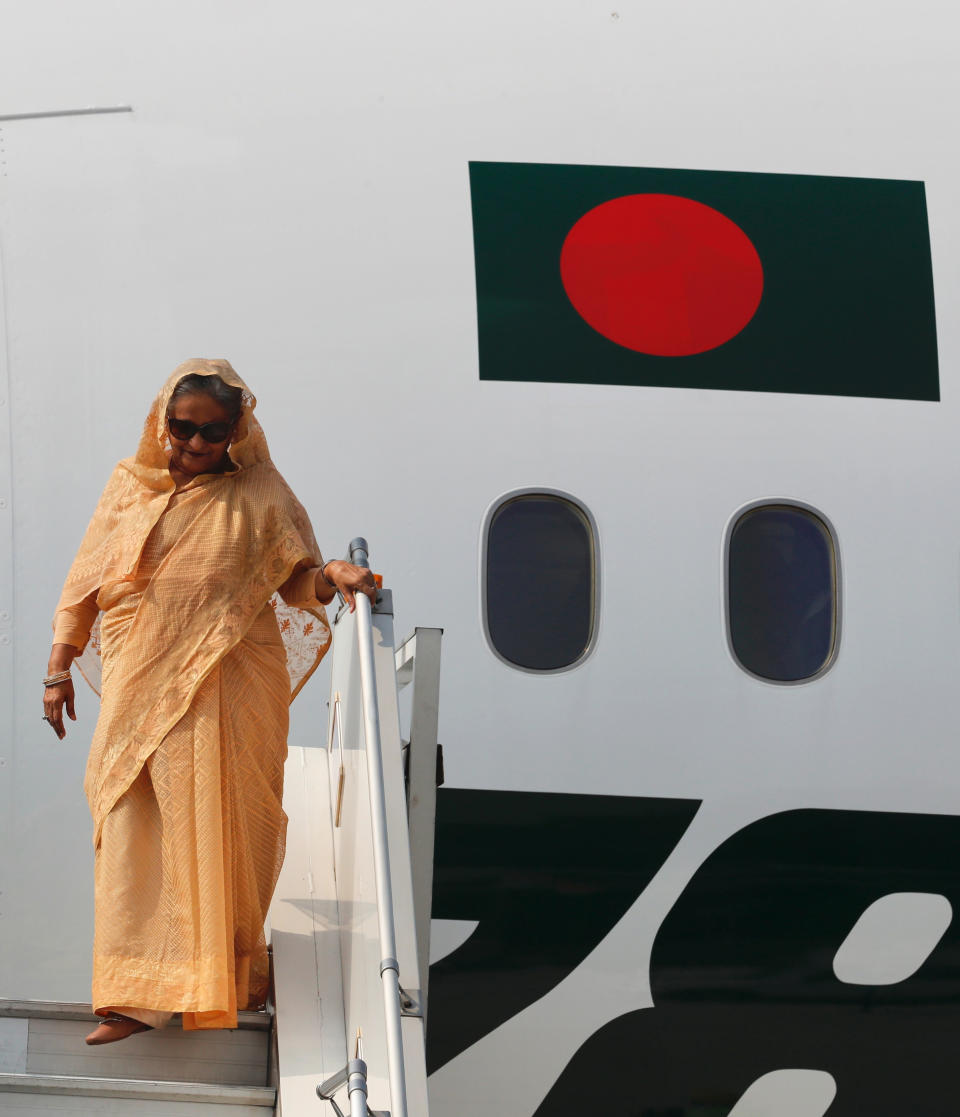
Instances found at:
x=350 y=580
x=56 y=699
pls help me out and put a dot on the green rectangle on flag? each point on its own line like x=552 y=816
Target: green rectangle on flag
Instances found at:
x=704 y=279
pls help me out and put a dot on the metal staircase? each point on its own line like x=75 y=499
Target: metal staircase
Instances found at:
x=351 y=916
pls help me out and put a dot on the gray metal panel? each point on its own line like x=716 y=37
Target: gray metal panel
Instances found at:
x=13 y=1046
x=418 y=662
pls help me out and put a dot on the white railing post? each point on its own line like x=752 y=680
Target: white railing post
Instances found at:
x=389 y=966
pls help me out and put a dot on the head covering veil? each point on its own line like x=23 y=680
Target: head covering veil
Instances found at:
x=248 y=447
x=139 y=490
x=249 y=535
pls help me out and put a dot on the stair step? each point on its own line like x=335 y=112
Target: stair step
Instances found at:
x=182 y=1099
x=72 y=1010
x=47 y=1039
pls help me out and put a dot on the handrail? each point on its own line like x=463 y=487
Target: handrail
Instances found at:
x=389 y=966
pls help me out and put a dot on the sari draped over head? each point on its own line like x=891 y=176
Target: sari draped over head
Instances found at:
x=206 y=627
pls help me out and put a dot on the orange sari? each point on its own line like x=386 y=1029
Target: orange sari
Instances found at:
x=185 y=773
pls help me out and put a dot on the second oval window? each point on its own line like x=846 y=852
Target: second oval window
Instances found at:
x=782 y=590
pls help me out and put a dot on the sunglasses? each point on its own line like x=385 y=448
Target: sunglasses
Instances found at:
x=184 y=430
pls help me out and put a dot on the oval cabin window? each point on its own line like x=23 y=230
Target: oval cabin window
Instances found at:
x=540 y=582
x=782 y=593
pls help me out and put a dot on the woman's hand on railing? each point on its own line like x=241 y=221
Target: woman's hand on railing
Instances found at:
x=349 y=580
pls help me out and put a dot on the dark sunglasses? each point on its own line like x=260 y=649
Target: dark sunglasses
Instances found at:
x=184 y=430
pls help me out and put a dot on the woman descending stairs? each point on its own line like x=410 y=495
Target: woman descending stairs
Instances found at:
x=349 y=930
x=47 y=1069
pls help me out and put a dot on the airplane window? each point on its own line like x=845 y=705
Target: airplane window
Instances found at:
x=782 y=593
x=540 y=581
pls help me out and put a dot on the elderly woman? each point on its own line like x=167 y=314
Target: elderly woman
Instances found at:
x=176 y=578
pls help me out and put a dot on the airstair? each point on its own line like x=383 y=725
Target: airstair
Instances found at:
x=349 y=931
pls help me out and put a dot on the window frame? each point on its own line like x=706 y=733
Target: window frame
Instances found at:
x=838 y=590
x=556 y=494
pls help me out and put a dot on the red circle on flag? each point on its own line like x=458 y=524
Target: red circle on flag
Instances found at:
x=661 y=274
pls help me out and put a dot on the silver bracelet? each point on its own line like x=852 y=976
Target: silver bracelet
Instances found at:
x=332 y=585
x=57 y=678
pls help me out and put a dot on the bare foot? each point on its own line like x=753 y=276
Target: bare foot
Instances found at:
x=115 y=1027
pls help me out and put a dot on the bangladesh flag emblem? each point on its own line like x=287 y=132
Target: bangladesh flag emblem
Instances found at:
x=704 y=279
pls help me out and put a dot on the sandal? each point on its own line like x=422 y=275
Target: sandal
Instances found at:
x=114 y=1027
